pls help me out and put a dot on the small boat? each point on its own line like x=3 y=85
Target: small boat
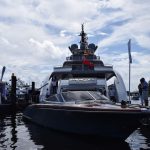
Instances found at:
x=76 y=98
x=135 y=96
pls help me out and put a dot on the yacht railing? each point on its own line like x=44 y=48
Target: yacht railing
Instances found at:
x=103 y=68
x=96 y=68
x=60 y=68
x=79 y=58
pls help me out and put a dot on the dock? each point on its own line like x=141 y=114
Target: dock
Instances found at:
x=15 y=102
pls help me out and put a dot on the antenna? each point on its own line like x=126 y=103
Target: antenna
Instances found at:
x=82 y=26
x=83 y=42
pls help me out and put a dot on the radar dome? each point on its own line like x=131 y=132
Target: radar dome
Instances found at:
x=92 y=46
x=74 y=46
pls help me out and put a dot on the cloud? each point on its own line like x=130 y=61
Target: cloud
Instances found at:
x=46 y=48
x=139 y=67
x=35 y=34
x=136 y=27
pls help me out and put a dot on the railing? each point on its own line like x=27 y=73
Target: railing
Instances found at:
x=79 y=58
x=62 y=68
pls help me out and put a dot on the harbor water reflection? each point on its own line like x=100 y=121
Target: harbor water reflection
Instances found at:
x=19 y=135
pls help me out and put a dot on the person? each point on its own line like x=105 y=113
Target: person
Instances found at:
x=47 y=93
x=112 y=94
x=54 y=85
x=144 y=86
x=140 y=94
x=104 y=91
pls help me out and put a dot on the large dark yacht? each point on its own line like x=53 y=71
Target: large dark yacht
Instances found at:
x=76 y=98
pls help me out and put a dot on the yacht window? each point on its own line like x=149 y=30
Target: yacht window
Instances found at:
x=77 y=95
x=76 y=67
x=59 y=97
x=52 y=98
x=98 y=95
x=83 y=96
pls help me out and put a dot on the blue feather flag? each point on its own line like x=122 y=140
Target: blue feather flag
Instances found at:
x=129 y=51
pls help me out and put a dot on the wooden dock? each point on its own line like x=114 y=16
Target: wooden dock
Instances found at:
x=15 y=102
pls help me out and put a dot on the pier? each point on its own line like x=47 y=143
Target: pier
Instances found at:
x=11 y=100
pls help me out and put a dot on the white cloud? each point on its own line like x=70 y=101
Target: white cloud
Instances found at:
x=139 y=68
x=46 y=48
x=136 y=26
x=37 y=33
x=62 y=33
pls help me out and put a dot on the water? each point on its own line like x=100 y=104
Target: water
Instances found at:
x=15 y=134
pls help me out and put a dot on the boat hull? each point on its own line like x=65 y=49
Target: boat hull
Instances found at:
x=112 y=124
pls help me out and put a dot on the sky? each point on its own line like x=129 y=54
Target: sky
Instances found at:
x=35 y=35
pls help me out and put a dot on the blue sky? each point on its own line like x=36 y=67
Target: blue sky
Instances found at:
x=35 y=35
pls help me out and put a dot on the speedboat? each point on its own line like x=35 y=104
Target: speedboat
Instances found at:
x=75 y=98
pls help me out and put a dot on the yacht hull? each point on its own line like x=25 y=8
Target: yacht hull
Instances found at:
x=85 y=121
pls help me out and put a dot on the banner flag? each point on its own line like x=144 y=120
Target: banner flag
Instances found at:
x=129 y=51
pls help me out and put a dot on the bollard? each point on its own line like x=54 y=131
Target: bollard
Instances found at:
x=33 y=91
x=13 y=90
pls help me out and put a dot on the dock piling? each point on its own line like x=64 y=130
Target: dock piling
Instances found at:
x=13 y=90
x=33 y=91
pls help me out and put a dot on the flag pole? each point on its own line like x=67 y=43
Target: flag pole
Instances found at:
x=129 y=80
x=130 y=61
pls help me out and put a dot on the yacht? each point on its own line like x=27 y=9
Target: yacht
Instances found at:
x=75 y=98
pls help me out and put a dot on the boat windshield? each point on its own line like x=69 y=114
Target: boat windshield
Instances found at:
x=83 y=96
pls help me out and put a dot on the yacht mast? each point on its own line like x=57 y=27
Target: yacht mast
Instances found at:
x=83 y=42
